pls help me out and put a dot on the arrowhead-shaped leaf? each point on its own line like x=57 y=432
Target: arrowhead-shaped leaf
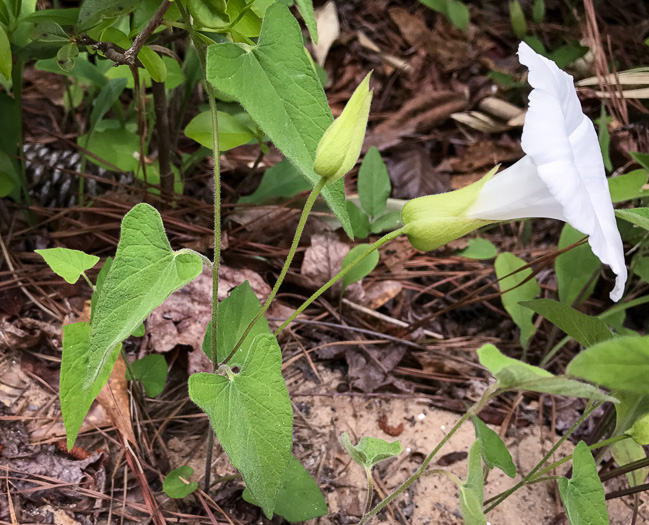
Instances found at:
x=235 y=313
x=493 y=449
x=586 y=330
x=369 y=451
x=516 y=375
x=583 y=494
x=517 y=287
x=299 y=498
x=620 y=364
x=69 y=264
x=76 y=401
x=251 y=413
x=472 y=490
x=276 y=84
x=151 y=371
x=144 y=273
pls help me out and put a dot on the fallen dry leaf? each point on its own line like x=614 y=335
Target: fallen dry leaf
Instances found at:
x=322 y=260
x=413 y=175
x=328 y=30
x=484 y=154
x=114 y=398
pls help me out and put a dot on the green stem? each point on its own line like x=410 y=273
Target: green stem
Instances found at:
x=370 y=490
x=339 y=275
x=92 y=286
x=499 y=498
x=601 y=444
x=291 y=253
x=200 y=50
x=446 y=473
x=486 y=397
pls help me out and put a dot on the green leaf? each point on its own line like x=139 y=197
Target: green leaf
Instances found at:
x=7 y=184
x=575 y=268
x=139 y=331
x=174 y=487
x=388 y=221
x=620 y=364
x=175 y=75
x=516 y=375
x=363 y=268
x=359 y=219
x=583 y=495
x=234 y=130
x=458 y=14
x=369 y=451
x=639 y=431
x=374 y=186
x=641 y=267
x=472 y=490
x=75 y=400
x=281 y=180
x=50 y=31
x=151 y=371
x=479 y=249
x=604 y=138
x=538 y=11
x=306 y=10
x=515 y=289
x=628 y=186
x=637 y=216
x=144 y=273
x=299 y=498
x=66 y=55
x=94 y=11
x=5 y=54
x=640 y=158
x=517 y=17
x=69 y=264
x=117 y=146
x=586 y=330
x=235 y=314
x=84 y=71
x=494 y=451
x=209 y=13
x=108 y=95
x=153 y=64
x=628 y=451
x=277 y=86
x=251 y=413
x=64 y=17
x=99 y=284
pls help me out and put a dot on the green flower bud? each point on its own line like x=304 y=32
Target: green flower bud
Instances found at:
x=340 y=146
x=434 y=220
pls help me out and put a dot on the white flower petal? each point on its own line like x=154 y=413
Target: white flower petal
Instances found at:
x=562 y=143
x=516 y=193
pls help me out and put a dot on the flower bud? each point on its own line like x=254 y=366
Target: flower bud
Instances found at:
x=340 y=146
x=434 y=220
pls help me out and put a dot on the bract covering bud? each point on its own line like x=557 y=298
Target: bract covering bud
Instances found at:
x=340 y=146
x=434 y=220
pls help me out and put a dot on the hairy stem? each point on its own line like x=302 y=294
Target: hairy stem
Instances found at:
x=291 y=253
x=200 y=50
x=386 y=238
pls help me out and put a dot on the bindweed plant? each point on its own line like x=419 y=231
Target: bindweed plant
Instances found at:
x=263 y=66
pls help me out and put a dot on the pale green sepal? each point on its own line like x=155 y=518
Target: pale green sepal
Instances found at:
x=426 y=235
x=340 y=146
x=434 y=220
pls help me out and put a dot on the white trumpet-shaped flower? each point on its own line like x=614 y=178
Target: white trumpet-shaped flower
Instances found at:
x=561 y=177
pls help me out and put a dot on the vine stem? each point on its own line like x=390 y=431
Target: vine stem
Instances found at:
x=499 y=498
x=386 y=238
x=200 y=50
x=291 y=253
x=486 y=397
